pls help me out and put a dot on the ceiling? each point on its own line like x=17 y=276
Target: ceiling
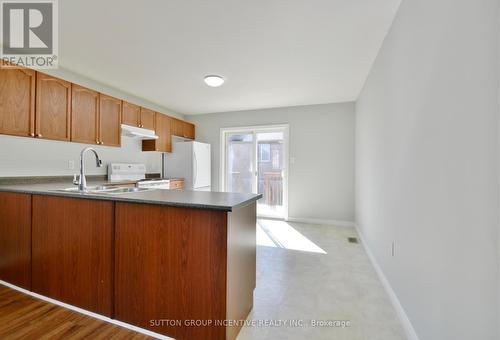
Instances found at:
x=272 y=53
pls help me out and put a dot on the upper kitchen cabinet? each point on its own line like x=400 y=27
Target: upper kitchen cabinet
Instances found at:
x=85 y=115
x=147 y=119
x=188 y=130
x=135 y=115
x=96 y=117
x=53 y=108
x=131 y=114
x=17 y=102
x=33 y=104
x=110 y=112
x=164 y=141
x=177 y=127
x=183 y=129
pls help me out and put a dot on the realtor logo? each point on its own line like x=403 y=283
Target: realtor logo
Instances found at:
x=29 y=33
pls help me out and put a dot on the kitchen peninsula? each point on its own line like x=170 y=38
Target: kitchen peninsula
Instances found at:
x=154 y=259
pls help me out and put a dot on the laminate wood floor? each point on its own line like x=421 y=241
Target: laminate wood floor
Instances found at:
x=25 y=317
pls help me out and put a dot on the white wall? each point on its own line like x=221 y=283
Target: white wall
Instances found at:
x=33 y=157
x=21 y=156
x=321 y=181
x=427 y=166
x=82 y=80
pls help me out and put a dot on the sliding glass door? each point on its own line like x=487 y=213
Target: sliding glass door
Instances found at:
x=255 y=160
x=240 y=175
x=270 y=173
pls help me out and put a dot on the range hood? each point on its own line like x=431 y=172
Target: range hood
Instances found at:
x=138 y=133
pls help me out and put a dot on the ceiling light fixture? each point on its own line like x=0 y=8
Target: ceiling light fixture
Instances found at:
x=213 y=80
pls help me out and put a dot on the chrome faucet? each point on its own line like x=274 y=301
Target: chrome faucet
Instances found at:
x=81 y=181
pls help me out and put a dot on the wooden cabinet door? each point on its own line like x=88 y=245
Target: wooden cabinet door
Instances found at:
x=177 y=127
x=17 y=102
x=15 y=239
x=164 y=142
x=163 y=130
x=170 y=263
x=72 y=251
x=131 y=114
x=53 y=108
x=183 y=129
x=177 y=184
x=188 y=130
x=110 y=111
x=147 y=119
x=84 y=115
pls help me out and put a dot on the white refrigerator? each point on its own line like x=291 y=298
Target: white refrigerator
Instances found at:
x=191 y=161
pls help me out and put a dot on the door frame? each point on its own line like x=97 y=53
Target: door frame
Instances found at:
x=256 y=129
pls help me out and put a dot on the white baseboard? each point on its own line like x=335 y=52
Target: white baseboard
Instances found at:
x=403 y=317
x=86 y=312
x=321 y=221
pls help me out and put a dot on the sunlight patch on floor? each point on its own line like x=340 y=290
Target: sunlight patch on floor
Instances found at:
x=280 y=234
x=273 y=211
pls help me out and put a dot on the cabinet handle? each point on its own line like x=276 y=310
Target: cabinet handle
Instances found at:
x=101 y=143
x=39 y=135
x=32 y=134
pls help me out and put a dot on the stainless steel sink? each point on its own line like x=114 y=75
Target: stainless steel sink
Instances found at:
x=90 y=189
x=111 y=190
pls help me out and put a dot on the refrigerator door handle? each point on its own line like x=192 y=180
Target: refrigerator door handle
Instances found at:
x=195 y=165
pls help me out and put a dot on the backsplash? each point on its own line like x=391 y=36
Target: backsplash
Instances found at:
x=37 y=157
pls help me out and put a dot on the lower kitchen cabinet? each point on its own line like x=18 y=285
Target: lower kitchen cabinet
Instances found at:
x=15 y=239
x=170 y=263
x=72 y=251
x=138 y=263
x=176 y=184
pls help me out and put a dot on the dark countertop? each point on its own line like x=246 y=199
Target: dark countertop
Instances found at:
x=176 y=198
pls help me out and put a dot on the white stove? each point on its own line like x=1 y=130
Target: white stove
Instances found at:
x=122 y=172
